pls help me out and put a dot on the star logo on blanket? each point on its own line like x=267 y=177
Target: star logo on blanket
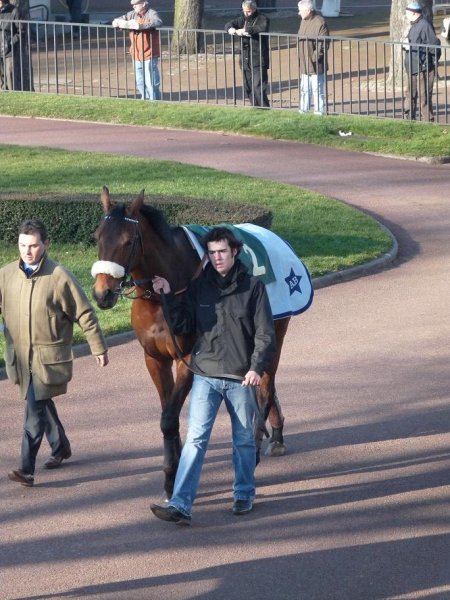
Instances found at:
x=293 y=282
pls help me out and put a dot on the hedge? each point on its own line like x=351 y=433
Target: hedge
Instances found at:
x=75 y=219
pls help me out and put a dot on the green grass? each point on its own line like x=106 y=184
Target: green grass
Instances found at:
x=386 y=136
x=327 y=234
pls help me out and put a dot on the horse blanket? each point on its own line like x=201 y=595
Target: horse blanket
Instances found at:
x=272 y=259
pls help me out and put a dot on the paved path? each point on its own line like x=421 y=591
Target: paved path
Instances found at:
x=358 y=510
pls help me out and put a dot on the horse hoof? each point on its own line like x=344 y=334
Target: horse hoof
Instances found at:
x=276 y=449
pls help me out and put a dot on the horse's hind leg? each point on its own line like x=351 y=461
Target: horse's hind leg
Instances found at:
x=276 y=446
x=268 y=399
x=270 y=409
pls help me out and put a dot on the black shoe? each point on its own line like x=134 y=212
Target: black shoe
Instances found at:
x=170 y=513
x=19 y=476
x=242 y=507
x=55 y=461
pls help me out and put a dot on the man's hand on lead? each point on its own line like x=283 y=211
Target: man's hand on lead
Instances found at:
x=252 y=378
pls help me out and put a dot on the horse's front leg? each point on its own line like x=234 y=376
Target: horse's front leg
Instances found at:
x=170 y=425
x=162 y=376
x=172 y=395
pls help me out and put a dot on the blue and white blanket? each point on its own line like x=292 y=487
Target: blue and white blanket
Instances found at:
x=287 y=279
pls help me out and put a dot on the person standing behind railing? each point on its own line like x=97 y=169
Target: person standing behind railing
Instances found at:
x=254 y=51
x=25 y=62
x=74 y=7
x=9 y=47
x=312 y=57
x=142 y=22
x=420 y=62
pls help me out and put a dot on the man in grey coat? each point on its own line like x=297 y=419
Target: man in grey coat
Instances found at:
x=312 y=56
x=39 y=302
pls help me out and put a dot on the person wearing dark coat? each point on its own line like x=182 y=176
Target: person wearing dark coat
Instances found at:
x=228 y=310
x=420 y=62
x=254 y=49
x=9 y=47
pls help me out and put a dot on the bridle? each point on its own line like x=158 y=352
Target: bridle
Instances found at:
x=127 y=282
x=128 y=285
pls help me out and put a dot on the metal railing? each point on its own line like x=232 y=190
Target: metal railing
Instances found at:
x=364 y=76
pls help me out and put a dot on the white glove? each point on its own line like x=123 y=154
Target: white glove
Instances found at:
x=133 y=24
x=240 y=32
x=232 y=31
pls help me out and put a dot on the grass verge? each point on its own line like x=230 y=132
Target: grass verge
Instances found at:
x=387 y=136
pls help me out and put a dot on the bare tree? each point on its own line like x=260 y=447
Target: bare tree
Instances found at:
x=267 y=4
x=398 y=30
x=188 y=16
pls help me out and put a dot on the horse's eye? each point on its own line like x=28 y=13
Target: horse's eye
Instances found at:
x=127 y=243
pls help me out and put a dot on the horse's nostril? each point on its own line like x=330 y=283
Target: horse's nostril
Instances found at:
x=104 y=300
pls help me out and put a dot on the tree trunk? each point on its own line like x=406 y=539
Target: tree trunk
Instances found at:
x=267 y=4
x=399 y=28
x=188 y=15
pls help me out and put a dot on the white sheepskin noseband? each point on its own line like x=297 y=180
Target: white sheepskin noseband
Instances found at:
x=107 y=268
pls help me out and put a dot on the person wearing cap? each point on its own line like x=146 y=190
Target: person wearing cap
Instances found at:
x=420 y=62
x=142 y=23
x=312 y=58
x=254 y=58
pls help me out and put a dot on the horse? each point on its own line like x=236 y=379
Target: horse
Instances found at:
x=135 y=243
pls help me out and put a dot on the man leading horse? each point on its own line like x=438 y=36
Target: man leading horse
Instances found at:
x=229 y=312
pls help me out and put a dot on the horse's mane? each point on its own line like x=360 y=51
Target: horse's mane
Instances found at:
x=157 y=220
x=154 y=217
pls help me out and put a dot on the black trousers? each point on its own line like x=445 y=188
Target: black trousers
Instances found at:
x=255 y=86
x=41 y=418
x=75 y=10
x=421 y=86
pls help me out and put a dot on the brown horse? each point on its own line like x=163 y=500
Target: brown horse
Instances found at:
x=134 y=244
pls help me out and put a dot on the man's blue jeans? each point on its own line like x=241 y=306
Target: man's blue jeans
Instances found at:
x=313 y=88
x=206 y=397
x=147 y=79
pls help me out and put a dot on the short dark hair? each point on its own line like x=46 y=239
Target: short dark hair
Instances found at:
x=33 y=226
x=216 y=234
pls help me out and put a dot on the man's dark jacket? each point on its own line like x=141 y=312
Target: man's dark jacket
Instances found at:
x=232 y=320
x=9 y=29
x=254 y=49
x=417 y=57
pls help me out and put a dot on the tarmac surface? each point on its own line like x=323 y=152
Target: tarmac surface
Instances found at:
x=357 y=510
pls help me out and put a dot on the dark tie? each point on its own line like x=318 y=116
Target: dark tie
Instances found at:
x=28 y=271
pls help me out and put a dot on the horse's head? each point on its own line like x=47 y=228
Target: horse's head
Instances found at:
x=119 y=248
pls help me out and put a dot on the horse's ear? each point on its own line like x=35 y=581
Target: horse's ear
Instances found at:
x=137 y=203
x=105 y=199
